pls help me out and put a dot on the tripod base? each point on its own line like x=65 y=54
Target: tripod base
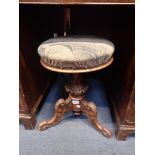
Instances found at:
x=77 y=103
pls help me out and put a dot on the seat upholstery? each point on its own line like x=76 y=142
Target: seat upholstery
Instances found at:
x=75 y=52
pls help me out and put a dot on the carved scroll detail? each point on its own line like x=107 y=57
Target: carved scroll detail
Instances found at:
x=60 y=108
x=77 y=103
x=90 y=109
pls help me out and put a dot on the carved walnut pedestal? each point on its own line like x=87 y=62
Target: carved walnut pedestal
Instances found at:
x=78 y=104
x=75 y=55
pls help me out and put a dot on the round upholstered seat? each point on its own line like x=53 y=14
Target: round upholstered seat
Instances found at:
x=75 y=53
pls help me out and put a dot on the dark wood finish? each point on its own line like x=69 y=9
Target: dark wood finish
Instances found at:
x=24 y=109
x=113 y=22
x=126 y=114
x=29 y=96
x=34 y=80
x=124 y=107
x=81 y=2
x=77 y=103
x=125 y=125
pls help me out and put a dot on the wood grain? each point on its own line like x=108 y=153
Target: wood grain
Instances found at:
x=78 y=104
x=119 y=28
x=34 y=80
x=78 y=70
x=74 y=2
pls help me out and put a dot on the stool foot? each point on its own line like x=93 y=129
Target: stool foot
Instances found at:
x=90 y=109
x=60 y=108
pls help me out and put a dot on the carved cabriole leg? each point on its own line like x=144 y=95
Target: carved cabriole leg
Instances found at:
x=61 y=107
x=77 y=103
x=90 y=109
